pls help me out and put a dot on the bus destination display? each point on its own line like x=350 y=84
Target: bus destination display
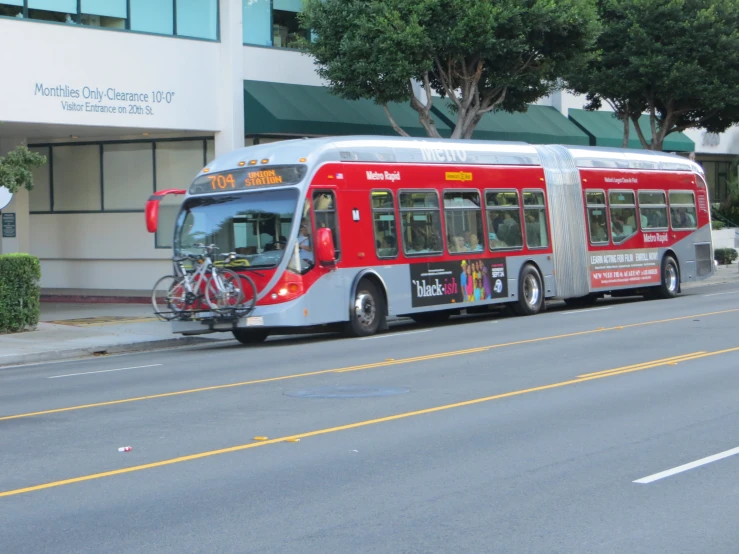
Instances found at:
x=248 y=178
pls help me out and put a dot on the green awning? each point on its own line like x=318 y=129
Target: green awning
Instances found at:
x=302 y=110
x=605 y=130
x=537 y=125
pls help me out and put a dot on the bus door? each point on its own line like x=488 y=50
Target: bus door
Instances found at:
x=327 y=288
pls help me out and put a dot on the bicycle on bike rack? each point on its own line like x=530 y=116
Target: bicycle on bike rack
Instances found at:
x=206 y=290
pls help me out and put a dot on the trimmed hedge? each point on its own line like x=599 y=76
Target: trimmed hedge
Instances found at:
x=20 y=292
x=724 y=256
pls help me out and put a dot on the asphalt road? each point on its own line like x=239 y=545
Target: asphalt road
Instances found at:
x=486 y=434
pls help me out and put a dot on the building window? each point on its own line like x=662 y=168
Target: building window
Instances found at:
x=110 y=14
x=257 y=18
x=40 y=196
x=597 y=216
x=152 y=16
x=463 y=217
x=197 y=18
x=682 y=210
x=420 y=219
x=652 y=210
x=383 y=221
x=280 y=15
x=623 y=215
x=187 y=18
x=76 y=174
x=117 y=177
x=59 y=11
x=11 y=8
x=177 y=163
x=504 y=219
x=128 y=175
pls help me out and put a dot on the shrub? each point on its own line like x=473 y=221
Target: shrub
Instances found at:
x=20 y=293
x=725 y=256
x=717 y=225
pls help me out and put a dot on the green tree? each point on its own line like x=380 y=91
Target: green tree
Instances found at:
x=16 y=168
x=675 y=60
x=480 y=55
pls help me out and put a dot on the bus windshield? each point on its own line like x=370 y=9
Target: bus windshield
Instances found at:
x=254 y=225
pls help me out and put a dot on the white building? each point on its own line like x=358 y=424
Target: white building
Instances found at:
x=126 y=97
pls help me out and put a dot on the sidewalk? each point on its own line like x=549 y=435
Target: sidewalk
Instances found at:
x=73 y=329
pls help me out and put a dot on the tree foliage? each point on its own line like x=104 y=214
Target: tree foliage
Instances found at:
x=16 y=168
x=480 y=55
x=675 y=60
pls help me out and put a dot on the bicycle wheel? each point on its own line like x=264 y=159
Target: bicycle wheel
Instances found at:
x=223 y=291
x=169 y=297
x=248 y=295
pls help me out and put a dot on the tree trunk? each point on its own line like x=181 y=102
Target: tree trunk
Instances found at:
x=626 y=126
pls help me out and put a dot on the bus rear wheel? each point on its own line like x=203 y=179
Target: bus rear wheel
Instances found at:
x=250 y=336
x=670 y=282
x=367 y=312
x=530 y=292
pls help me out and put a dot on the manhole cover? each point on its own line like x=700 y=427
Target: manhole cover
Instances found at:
x=347 y=391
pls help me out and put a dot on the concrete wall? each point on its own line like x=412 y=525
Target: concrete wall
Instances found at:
x=724 y=238
x=53 y=66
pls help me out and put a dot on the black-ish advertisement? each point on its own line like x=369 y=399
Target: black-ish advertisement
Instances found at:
x=459 y=281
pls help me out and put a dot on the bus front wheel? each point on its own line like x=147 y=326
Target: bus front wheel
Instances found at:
x=250 y=336
x=367 y=312
x=530 y=292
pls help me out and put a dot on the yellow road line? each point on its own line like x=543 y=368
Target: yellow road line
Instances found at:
x=360 y=367
x=663 y=361
x=291 y=438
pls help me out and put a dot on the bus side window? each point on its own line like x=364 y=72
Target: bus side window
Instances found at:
x=535 y=215
x=682 y=210
x=597 y=218
x=420 y=218
x=623 y=215
x=652 y=209
x=463 y=214
x=324 y=212
x=504 y=219
x=383 y=221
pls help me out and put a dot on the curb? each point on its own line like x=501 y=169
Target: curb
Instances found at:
x=145 y=346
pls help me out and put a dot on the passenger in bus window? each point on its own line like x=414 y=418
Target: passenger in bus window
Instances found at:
x=458 y=244
x=598 y=230
x=533 y=236
x=475 y=245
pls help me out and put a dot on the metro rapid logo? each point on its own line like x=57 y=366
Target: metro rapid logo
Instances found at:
x=656 y=237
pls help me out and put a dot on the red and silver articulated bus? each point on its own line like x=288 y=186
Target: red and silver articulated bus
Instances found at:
x=349 y=231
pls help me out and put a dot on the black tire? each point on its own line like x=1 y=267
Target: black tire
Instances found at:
x=248 y=295
x=168 y=297
x=669 y=279
x=427 y=318
x=228 y=299
x=530 y=292
x=367 y=311
x=250 y=336
x=582 y=301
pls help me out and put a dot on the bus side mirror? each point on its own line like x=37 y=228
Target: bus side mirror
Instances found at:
x=325 y=251
x=152 y=208
x=152 y=214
